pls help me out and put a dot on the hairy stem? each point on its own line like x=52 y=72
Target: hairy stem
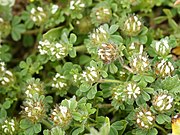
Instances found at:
x=46 y=123
x=109 y=81
x=160 y=128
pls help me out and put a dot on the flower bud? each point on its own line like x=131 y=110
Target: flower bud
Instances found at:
x=101 y=13
x=132 y=26
x=107 y=53
x=34 y=109
x=34 y=87
x=61 y=116
x=5 y=28
x=145 y=118
x=99 y=36
x=164 y=68
x=140 y=62
x=38 y=15
x=162 y=102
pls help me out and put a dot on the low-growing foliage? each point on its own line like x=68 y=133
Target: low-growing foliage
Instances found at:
x=89 y=67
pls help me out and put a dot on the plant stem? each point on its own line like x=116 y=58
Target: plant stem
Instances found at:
x=109 y=81
x=46 y=123
x=80 y=48
x=127 y=68
x=30 y=32
x=160 y=128
x=104 y=105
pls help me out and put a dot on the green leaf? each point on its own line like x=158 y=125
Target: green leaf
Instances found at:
x=73 y=38
x=25 y=123
x=152 y=131
x=113 y=69
x=53 y=33
x=46 y=132
x=113 y=131
x=37 y=128
x=84 y=87
x=3 y=113
x=92 y=92
x=113 y=28
x=119 y=125
x=160 y=119
x=136 y=78
x=145 y=96
x=148 y=90
x=142 y=83
x=105 y=129
x=83 y=59
x=72 y=53
x=116 y=39
x=28 y=40
x=17 y=30
x=149 y=79
x=29 y=131
x=78 y=130
x=77 y=116
x=57 y=131
x=168 y=13
x=171 y=84
x=173 y=24
x=160 y=19
x=7 y=104
x=48 y=99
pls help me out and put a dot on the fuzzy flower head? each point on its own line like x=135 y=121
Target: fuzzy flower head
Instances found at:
x=107 y=53
x=140 y=62
x=76 y=5
x=5 y=28
x=38 y=15
x=128 y=92
x=144 y=118
x=101 y=13
x=162 y=47
x=6 y=76
x=90 y=75
x=99 y=36
x=61 y=116
x=9 y=127
x=34 y=87
x=162 y=102
x=59 y=81
x=55 y=50
x=34 y=109
x=164 y=68
x=132 y=26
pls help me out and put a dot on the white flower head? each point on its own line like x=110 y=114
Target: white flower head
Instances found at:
x=59 y=81
x=145 y=118
x=61 y=116
x=76 y=4
x=9 y=127
x=164 y=68
x=162 y=101
x=90 y=75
